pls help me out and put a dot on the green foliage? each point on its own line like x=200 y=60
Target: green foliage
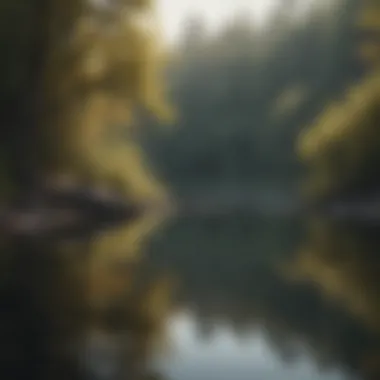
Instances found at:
x=244 y=96
x=342 y=147
x=69 y=72
x=72 y=73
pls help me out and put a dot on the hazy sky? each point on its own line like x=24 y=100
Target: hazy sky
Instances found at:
x=173 y=12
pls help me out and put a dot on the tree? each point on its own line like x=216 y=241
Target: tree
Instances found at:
x=70 y=71
x=75 y=84
x=245 y=96
x=194 y=32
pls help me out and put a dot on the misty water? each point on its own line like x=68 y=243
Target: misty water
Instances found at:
x=226 y=355
x=267 y=298
x=250 y=297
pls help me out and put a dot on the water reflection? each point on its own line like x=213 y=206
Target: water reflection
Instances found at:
x=243 y=281
x=78 y=309
x=233 y=297
x=225 y=355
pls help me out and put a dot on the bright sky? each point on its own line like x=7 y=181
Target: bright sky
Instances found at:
x=173 y=12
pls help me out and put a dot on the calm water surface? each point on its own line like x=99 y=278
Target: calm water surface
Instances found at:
x=225 y=355
x=233 y=297
x=266 y=298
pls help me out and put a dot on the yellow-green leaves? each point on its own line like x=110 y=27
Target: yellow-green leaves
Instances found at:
x=98 y=72
x=345 y=137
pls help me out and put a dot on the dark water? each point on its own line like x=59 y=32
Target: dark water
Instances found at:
x=266 y=298
x=234 y=297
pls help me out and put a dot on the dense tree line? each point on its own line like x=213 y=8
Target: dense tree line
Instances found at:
x=244 y=95
x=66 y=81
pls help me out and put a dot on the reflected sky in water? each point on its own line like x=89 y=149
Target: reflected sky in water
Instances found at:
x=234 y=297
x=226 y=357
x=248 y=309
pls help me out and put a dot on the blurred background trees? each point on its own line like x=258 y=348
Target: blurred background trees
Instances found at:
x=72 y=73
x=341 y=147
x=244 y=95
x=67 y=85
x=78 y=77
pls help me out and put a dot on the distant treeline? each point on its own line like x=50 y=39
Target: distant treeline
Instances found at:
x=244 y=95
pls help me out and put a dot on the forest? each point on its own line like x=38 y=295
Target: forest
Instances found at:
x=67 y=282
x=89 y=133
x=243 y=96
x=258 y=109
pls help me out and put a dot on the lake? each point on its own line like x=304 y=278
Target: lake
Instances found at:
x=238 y=296
x=267 y=298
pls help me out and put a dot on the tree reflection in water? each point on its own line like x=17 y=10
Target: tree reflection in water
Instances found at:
x=105 y=310
x=77 y=309
x=257 y=278
x=343 y=263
